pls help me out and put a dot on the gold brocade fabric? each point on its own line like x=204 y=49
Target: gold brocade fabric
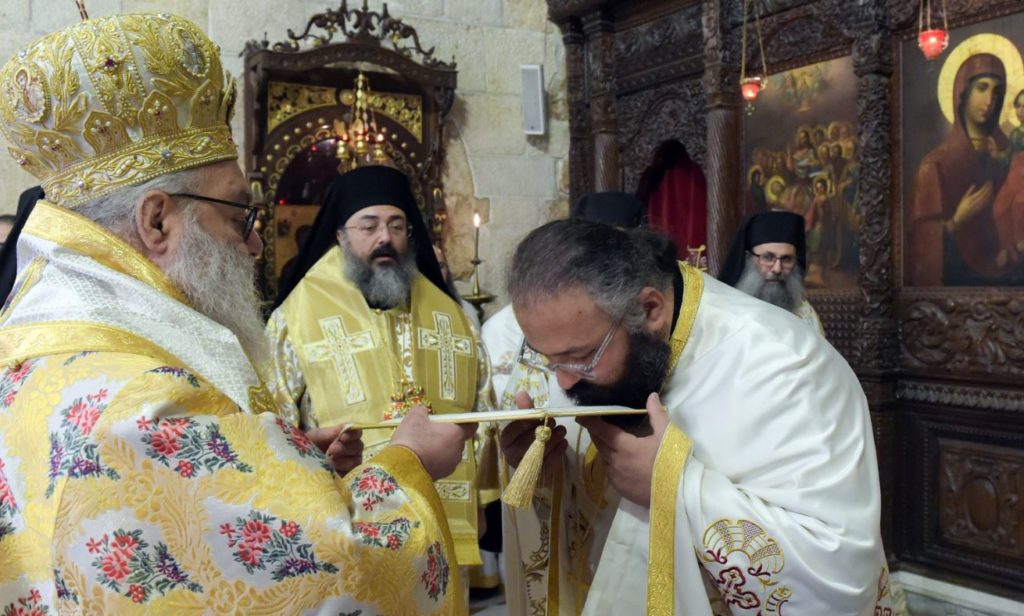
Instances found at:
x=129 y=483
x=352 y=359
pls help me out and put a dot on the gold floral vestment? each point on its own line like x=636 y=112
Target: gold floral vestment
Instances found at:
x=130 y=483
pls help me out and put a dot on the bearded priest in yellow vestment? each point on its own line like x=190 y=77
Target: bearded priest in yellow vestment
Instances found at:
x=367 y=327
x=139 y=471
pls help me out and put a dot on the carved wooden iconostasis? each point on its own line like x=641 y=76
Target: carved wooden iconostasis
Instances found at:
x=300 y=96
x=852 y=125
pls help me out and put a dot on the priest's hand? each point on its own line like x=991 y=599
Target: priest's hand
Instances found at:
x=630 y=459
x=344 y=448
x=517 y=437
x=439 y=446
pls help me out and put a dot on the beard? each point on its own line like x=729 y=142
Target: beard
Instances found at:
x=783 y=290
x=384 y=286
x=646 y=367
x=220 y=282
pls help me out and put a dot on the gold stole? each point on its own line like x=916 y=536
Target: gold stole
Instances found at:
x=352 y=364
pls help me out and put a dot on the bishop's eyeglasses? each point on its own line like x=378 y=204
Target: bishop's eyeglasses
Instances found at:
x=250 y=216
x=538 y=361
x=768 y=259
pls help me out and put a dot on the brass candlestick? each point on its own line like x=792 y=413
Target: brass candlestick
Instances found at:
x=479 y=298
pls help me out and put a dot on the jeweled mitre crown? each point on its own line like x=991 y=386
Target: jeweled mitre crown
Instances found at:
x=116 y=101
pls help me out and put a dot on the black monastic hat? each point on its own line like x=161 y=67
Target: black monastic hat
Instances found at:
x=618 y=209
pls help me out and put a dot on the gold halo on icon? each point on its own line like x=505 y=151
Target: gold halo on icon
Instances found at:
x=773 y=188
x=1000 y=47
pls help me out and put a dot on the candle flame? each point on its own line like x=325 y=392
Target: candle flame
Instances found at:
x=476 y=220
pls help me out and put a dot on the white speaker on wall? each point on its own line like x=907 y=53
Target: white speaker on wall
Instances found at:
x=534 y=104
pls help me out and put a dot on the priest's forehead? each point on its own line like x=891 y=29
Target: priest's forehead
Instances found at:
x=779 y=249
x=568 y=322
x=376 y=213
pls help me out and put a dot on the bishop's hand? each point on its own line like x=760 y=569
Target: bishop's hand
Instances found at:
x=344 y=448
x=517 y=437
x=439 y=446
x=630 y=459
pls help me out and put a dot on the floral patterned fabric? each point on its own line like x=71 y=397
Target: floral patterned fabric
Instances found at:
x=161 y=496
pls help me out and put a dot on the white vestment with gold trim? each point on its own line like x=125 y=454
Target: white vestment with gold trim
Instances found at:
x=776 y=504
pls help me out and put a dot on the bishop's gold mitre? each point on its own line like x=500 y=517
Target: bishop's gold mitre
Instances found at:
x=114 y=102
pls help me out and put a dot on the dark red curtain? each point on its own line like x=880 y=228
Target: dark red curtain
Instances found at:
x=676 y=194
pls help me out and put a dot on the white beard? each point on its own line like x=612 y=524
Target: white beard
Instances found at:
x=788 y=295
x=220 y=282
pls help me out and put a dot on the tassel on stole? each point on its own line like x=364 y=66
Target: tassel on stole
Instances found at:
x=520 y=488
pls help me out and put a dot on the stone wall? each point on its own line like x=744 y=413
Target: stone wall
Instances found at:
x=515 y=182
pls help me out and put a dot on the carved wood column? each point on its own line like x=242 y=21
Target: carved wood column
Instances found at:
x=722 y=163
x=598 y=28
x=580 y=162
x=876 y=354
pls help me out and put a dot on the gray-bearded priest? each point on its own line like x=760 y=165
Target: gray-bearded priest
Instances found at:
x=752 y=487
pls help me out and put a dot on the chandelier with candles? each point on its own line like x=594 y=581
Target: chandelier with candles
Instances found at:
x=359 y=139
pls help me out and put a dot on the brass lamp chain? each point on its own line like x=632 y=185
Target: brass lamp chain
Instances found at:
x=743 y=44
x=760 y=45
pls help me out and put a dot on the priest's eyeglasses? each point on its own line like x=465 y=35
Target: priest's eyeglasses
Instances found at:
x=250 y=217
x=538 y=361
x=768 y=259
x=395 y=227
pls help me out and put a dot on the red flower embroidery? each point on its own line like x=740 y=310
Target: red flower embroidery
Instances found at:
x=250 y=555
x=369 y=483
x=84 y=416
x=175 y=425
x=115 y=566
x=261 y=542
x=137 y=593
x=6 y=495
x=130 y=560
x=373 y=486
x=9 y=398
x=19 y=375
x=143 y=423
x=185 y=468
x=368 y=530
x=126 y=544
x=255 y=533
x=165 y=443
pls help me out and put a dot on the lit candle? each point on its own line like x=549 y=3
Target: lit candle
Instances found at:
x=476 y=247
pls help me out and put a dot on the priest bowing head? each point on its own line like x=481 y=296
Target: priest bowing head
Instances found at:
x=757 y=428
x=597 y=302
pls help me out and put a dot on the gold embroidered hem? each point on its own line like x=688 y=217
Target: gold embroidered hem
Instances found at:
x=668 y=470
